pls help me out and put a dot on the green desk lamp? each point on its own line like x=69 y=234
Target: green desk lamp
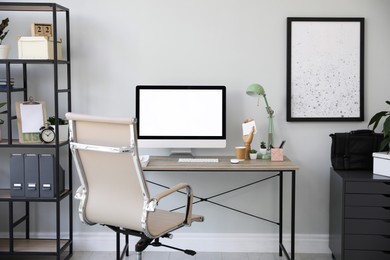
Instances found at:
x=256 y=90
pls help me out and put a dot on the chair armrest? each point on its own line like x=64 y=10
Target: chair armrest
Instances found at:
x=80 y=193
x=188 y=207
x=171 y=190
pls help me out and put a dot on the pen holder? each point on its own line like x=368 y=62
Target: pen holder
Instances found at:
x=240 y=152
x=277 y=154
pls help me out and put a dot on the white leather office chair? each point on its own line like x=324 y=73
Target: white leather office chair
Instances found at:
x=113 y=189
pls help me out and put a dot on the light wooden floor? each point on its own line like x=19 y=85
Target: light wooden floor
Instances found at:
x=199 y=256
x=180 y=256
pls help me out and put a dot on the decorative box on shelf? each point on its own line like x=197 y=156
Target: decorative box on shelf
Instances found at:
x=38 y=47
x=382 y=163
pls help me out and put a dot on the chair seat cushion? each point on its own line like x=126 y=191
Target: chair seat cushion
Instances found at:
x=161 y=221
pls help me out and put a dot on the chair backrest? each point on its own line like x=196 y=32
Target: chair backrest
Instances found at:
x=106 y=157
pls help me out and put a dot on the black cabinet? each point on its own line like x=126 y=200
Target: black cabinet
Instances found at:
x=359 y=221
x=19 y=239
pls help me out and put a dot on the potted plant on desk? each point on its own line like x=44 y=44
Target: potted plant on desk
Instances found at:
x=253 y=154
x=263 y=149
x=4 y=49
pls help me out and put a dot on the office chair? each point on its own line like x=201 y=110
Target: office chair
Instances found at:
x=113 y=189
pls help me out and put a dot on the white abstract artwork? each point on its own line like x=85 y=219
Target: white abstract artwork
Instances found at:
x=325 y=70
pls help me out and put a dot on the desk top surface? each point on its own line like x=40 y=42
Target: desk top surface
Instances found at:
x=164 y=163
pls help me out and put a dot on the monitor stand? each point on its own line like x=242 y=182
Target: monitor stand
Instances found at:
x=181 y=153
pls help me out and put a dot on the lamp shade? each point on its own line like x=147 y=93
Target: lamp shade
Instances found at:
x=255 y=90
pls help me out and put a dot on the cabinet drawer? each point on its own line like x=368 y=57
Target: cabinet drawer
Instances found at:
x=373 y=200
x=365 y=255
x=367 y=242
x=367 y=187
x=367 y=212
x=367 y=226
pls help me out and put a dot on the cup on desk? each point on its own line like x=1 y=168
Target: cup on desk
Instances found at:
x=240 y=152
x=277 y=154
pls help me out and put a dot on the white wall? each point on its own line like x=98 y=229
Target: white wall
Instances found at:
x=117 y=45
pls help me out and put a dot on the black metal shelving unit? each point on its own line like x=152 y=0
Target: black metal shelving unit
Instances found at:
x=60 y=247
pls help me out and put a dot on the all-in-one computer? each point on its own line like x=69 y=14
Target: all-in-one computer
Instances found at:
x=181 y=117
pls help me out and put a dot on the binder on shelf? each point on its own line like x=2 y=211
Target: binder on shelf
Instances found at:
x=31 y=175
x=4 y=83
x=17 y=175
x=47 y=174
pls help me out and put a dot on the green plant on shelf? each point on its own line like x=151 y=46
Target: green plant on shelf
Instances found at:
x=2 y=112
x=52 y=121
x=3 y=33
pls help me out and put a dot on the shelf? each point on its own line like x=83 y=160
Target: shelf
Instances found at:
x=5 y=196
x=16 y=143
x=33 y=61
x=41 y=7
x=56 y=245
x=43 y=246
x=12 y=90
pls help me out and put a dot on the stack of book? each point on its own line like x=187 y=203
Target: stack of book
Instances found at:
x=3 y=83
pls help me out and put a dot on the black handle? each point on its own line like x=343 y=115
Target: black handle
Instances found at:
x=362 y=132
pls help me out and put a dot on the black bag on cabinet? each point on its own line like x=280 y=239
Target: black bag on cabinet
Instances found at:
x=353 y=150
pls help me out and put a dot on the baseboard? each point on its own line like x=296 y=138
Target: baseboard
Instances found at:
x=207 y=242
x=202 y=242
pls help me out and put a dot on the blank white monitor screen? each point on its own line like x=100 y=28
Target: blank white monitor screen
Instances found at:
x=181 y=116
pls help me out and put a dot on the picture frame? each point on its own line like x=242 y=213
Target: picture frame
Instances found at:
x=31 y=115
x=325 y=69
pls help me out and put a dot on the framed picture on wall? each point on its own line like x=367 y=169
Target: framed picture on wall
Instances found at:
x=325 y=69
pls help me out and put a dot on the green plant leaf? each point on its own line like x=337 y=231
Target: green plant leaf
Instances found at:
x=385 y=144
x=386 y=126
x=1 y=105
x=3 y=35
x=388 y=102
x=376 y=118
x=3 y=25
x=52 y=121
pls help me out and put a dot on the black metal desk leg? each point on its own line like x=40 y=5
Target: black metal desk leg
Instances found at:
x=292 y=215
x=280 y=212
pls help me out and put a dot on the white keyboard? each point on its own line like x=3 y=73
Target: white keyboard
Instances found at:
x=198 y=160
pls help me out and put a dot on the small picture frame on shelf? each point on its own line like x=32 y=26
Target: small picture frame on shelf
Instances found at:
x=31 y=116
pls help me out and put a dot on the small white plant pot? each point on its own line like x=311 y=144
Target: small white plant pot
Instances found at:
x=4 y=51
x=64 y=132
x=263 y=150
x=253 y=156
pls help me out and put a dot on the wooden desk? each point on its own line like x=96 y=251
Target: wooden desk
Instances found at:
x=162 y=163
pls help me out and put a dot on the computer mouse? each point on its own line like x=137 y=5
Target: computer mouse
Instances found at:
x=234 y=161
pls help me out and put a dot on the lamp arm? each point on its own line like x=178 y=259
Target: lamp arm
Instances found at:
x=268 y=108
